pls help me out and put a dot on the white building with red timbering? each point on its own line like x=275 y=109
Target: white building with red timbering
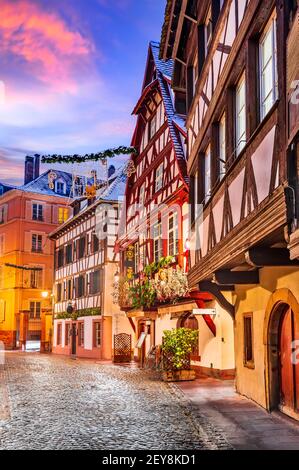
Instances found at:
x=85 y=318
x=154 y=240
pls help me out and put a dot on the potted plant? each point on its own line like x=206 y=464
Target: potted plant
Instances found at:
x=177 y=347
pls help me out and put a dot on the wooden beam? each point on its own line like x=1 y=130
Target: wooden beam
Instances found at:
x=227 y=277
x=215 y=290
x=260 y=257
x=193 y=20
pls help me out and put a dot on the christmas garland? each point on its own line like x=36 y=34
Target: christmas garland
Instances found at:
x=23 y=268
x=109 y=153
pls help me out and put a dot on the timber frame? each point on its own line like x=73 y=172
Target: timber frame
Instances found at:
x=249 y=211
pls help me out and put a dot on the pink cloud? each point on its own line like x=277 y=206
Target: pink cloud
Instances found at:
x=51 y=50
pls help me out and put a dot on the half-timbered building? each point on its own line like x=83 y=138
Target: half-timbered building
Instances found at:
x=154 y=243
x=230 y=64
x=85 y=317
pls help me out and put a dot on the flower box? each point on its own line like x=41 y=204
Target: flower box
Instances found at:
x=178 y=375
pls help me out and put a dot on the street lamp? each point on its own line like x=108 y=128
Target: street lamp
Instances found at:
x=45 y=294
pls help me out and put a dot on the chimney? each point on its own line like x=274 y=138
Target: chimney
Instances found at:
x=32 y=166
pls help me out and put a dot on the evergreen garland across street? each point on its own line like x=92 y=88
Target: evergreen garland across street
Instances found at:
x=109 y=153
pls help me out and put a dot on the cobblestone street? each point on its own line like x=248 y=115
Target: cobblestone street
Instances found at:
x=48 y=402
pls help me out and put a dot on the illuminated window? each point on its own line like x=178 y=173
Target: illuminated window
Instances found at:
x=63 y=215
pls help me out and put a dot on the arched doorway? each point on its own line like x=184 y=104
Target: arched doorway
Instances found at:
x=282 y=360
x=191 y=322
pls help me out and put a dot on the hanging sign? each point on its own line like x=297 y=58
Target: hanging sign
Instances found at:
x=204 y=311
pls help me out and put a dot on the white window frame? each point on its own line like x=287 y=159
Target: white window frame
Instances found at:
x=37 y=236
x=267 y=101
x=36 y=278
x=240 y=114
x=141 y=195
x=159 y=177
x=33 y=313
x=173 y=234
x=222 y=147
x=207 y=178
x=2 y=215
x=39 y=210
x=57 y=182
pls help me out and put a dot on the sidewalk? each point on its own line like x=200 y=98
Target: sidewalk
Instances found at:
x=245 y=424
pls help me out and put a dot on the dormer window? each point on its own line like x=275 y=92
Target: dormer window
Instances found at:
x=60 y=187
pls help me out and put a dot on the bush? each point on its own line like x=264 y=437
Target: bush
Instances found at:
x=177 y=347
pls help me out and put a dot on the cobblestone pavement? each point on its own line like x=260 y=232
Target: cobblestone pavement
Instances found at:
x=49 y=402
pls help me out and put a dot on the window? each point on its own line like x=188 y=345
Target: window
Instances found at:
x=36 y=278
x=152 y=127
x=2 y=215
x=248 y=340
x=207 y=164
x=97 y=334
x=60 y=258
x=222 y=148
x=35 y=310
x=60 y=187
x=67 y=334
x=63 y=215
x=136 y=257
x=2 y=248
x=81 y=334
x=95 y=282
x=195 y=74
x=96 y=243
x=173 y=235
x=80 y=286
x=69 y=291
x=37 y=243
x=268 y=68
x=157 y=240
x=141 y=194
x=81 y=247
x=240 y=115
x=208 y=27
x=59 y=334
x=69 y=254
x=59 y=292
x=37 y=212
x=159 y=178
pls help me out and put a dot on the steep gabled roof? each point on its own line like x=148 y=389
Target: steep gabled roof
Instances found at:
x=175 y=121
x=41 y=184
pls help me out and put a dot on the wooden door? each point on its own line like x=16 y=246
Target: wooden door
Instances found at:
x=289 y=369
x=192 y=323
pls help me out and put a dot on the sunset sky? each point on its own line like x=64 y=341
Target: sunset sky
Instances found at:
x=70 y=73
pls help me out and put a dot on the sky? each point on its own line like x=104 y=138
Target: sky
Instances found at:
x=71 y=72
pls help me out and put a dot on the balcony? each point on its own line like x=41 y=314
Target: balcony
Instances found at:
x=159 y=283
